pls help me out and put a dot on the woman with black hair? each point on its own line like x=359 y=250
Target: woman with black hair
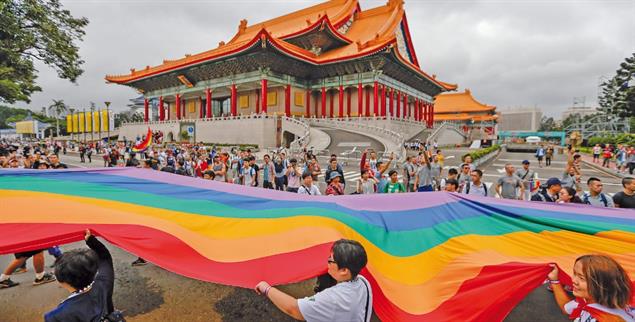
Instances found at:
x=89 y=276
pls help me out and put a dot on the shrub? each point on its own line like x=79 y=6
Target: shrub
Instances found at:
x=482 y=152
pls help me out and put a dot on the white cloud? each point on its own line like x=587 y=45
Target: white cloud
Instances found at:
x=510 y=53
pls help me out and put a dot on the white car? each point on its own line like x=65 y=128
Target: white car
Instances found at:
x=533 y=139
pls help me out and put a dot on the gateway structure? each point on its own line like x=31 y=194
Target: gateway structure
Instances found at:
x=331 y=60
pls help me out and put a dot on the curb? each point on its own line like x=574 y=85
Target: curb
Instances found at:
x=603 y=169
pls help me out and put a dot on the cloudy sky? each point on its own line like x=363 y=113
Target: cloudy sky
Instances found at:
x=510 y=53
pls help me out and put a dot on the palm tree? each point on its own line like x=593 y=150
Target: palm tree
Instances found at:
x=58 y=108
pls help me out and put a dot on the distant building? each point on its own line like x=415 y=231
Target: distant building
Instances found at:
x=582 y=111
x=520 y=119
x=462 y=108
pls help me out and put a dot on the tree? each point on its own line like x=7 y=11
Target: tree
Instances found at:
x=548 y=124
x=58 y=108
x=36 y=30
x=618 y=94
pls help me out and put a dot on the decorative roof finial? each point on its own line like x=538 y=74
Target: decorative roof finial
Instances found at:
x=242 y=26
x=221 y=43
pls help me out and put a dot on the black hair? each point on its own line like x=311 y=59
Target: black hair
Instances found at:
x=349 y=254
x=77 y=267
x=588 y=182
x=306 y=174
x=294 y=160
x=364 y=171
x=453 y=171
x=453 y=182
x=210 y=173
x=480 y=173
x=391 y=172
x=148 y=162
x=627 y=181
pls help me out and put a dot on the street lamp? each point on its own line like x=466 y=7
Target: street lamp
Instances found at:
x=108 y=118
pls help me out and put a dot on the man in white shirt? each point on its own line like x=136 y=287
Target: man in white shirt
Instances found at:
x=350 y=299
x=476 y=186
x=307 y=187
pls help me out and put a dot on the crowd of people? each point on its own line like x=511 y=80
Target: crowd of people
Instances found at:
x=599 y=283
x=622 y=155
x=422 y=171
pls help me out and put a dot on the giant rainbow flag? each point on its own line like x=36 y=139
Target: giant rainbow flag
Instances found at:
x=432 y=256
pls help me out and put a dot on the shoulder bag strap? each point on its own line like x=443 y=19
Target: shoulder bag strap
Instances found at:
x=367 y=301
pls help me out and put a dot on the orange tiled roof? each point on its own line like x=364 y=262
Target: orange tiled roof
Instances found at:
x=465 y=117
x=459 y=103
x=371 y=31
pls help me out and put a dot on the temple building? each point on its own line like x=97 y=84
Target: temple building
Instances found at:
x=329 y=60
x=463 y=109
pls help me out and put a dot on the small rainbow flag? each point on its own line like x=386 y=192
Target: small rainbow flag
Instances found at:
x=432 y=256
x=142 y=146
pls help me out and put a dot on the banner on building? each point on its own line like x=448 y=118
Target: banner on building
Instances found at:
x=25 y=127
x=82 y=122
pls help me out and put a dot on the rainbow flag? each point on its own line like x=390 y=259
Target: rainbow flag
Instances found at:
x=432 y=256
x=142 y=146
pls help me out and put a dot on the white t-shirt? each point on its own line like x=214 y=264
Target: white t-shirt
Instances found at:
x=313 y=190
x=344 y=302
x=626 y=315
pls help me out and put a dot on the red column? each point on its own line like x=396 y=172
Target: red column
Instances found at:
x=331 y=108
x=287 y=100
x=161 y=111
x=383 y=100
x=397 y=108
x=146 y=106
x=208 y=103
x=367 y=98
x=340 y=101
x=405 y=106
x=234 y=105
x=263 y=95
x=178 y=106
x=167 y=112
x=360 y=99
x=415 y=109
x=375 y=98
x=323 y=103
x=201 y=107
x=425 y=113
x=391 y=103
x=431 y=114
x=308 y=102
x=348 y=102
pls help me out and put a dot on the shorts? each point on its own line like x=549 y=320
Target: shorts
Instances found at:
x=539 y=158
x=28 y=254
x=425 y=188
x=294 y=190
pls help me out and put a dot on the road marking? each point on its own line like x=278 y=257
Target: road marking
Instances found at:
x=353 y=144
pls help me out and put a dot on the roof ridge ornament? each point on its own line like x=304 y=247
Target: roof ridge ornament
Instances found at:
x=242 y=26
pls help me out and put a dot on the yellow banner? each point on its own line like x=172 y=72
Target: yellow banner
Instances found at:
x=89 y=121
x=75 y=123
x=104 y=121
x=25 y=127
x=82 y=123
x=69 y=123
x=96 y=121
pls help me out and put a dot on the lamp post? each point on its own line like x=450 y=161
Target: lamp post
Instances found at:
x=108 y=118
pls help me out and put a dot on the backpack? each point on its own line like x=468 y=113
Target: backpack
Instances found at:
x=585 y=199
x=469 y=184
x=278 y=166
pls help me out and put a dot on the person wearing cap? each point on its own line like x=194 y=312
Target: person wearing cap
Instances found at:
x=43 y=165
x=335 y=188
x=550 y=193
x=527 y=176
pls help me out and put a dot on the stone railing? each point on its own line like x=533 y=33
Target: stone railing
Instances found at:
x=207 y=119
x=354 y=124
x=302 y=140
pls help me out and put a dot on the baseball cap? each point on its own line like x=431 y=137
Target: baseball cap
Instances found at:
x=333 y=175
x=553 y=182
x=525 y=161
